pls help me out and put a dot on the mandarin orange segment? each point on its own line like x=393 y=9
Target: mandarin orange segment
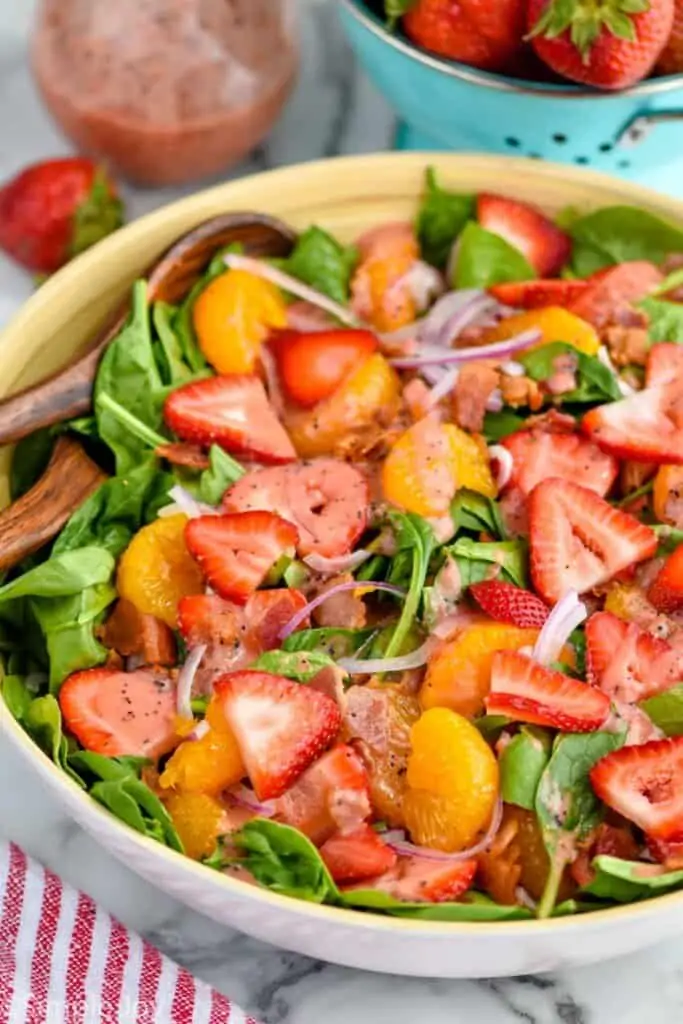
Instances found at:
x=555 y=324
x=197 y=819
x=452 y=782
x=459 y=672
x=156 y=569
x=471 y=461
x=628 y=601
x=667 y=495
x=207 y=765
x=387 y=767
x=379 y=294
x=233 y=316
x=419 y=473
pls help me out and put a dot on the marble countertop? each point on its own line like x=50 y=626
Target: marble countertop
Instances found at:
x=334 y=110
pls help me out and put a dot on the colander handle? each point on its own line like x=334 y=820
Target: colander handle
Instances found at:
x=640 y=126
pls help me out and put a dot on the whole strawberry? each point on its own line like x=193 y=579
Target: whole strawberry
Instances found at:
x=486 y=34
x=609 y=44
x=671 y=59
x=56 y=209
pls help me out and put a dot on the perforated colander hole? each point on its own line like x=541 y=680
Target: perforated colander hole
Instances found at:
x=624 y=164
x=605 y=147
x=534 y=156
x=560 y=139
x=512 y=142
x=581 y=160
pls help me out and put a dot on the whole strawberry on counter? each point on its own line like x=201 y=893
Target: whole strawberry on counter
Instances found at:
x=609 y=44
x=486 y=34
x=671 y=59
x=54 y=210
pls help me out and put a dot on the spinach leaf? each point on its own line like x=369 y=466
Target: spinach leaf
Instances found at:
x=477 y=513
x=29 y=461
x=666 y=710
x=106 y=769
x=595 y=381
x=86 y=426
x=498 y=425
x=566 y=805
x=62 y=576
x=16 y=695
x=491 y=726
x=475 y=559
x=172 y=366
x=142 y=435
x=475 y=907
x=616 y=234
x=665 y=319
x=440 y=219
x=330 y=640
x=43 y=722
x=284 y=860
x=322 y=262
x=485 y=259
x=299 y=665
x=68 y=625
x=223 y=471
x=414 y=535
x=577 y=640
x=625 y=881
x=522 y=763
x=669 y=538
x=129 y=376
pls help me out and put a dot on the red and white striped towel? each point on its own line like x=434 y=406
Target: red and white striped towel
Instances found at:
x=64 y=960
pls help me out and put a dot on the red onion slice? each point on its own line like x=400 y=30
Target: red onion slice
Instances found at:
x=290 y=284
x=512 y=369
x=567 y=614
x=332 y=566
x=498 y=349
x=246 y=797
x=424 y=283
x=444 y=386
x=201 y=729
x=494 y=403
x=376 y=666
x=406 y=849
x=186 y=679
x=184 y=503
x=499 y=454
x=304 y=612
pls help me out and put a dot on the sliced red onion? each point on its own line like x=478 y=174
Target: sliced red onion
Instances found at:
x=453 y=313
x=567 y=614
x=290 y=284
x=512 y=369
x=201 y=729
x=433 y=374
x=457 y=620
x=185 y=503
x=343 y=563
x=424 y=283
x=402 y=339
x=444 y=386
x=524 y=898
x=246 y=797
x=376 y=666
x=407 y=849
x=505 y=464
x=304 y=612
x=498 y=349
x=186 y=679
x=605 y=358
x=494 y=403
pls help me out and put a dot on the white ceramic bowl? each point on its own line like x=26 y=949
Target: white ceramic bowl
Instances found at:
x=346 y=196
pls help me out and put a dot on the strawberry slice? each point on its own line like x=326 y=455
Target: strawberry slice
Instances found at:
x=614 y=290
x=537 y=294
x=645 y=427
x=666 y=590
x=313 y=364
x=331 y=796
x=207 y=618
x=578 y=540
x=645 y=784
x=281 y=727
x=357 y=856
x=506 y=603
x=544 y=245
x=236 y=552
x=664 y=364
x=233 y=412
x=626 y=662
x=326 y=499
x=116 y=713
x=419 y=880
x=539 y=454
x=525 y=691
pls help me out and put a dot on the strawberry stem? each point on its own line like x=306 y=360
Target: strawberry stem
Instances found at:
x=587 y=20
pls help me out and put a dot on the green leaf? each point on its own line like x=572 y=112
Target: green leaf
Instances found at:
x=491 y=726
x=413 y=535
x=666 y=711
x=522 y=763
x=485 y=259
x=106 y=769
x=616 y=234
x=625 y=881
x=498 y=425
x=43 y=722
x=475 y=907
x=665 y=319
x=68 y=625
x=223 y=471
x=475 y=558
x=669 y=538
x=595 y=381
x=441 y=218
x=331 y=641
x=16 y=695
x=320 y=261
x=172 y=366
x=299 y=665
x=62 y=576
x=284 y=860
x=395 y=9
x=477 y=513
x=133 y=802
x=29 y=461
x=95 y=217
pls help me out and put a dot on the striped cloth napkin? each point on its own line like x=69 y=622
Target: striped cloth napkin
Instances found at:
x=64 y=960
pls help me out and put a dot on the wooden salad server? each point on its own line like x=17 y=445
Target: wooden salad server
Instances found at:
x=68 y=393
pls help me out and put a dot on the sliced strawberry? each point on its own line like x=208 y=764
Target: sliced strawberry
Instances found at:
x=645 y=784
x=669 y=853
x=645 y=427
x=507 y=603
x=614 y=290
x=419 y=880
x=626 y=662
x=313 y=364
x=578 y=540
x=281 y=727
x=207 y=618
x=267 y=611
x=537 y=294
x=357 y=856
x=664 y=364
x=115 y=713
x=666 y=591
x=236 y=552
x=326 y=499
x=539 y=454
x=525 y=691
x=545 y=246
x=233 y=412
x=331 y=796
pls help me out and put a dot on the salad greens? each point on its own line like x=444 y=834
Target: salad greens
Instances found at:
x=522 y=763
x=322 y=262
x=617 y=234
x=485 y=259
x=440 y=219
x=595 y=382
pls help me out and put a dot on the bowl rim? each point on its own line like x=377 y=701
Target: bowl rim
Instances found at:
x=352 y=167
x=503 y=83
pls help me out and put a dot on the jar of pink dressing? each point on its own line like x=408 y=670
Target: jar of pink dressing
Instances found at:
x=165 y=91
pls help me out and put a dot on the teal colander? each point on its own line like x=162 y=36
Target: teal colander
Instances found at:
x=636 y=133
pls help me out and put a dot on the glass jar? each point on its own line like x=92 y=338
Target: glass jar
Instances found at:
x=165 y=91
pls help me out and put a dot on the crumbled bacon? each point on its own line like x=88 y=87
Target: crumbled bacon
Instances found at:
x=627 y=344
x=521 y=391
x=474 y=386
x=134 y=635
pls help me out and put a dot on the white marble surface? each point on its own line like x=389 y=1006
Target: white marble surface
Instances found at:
x=334 y=110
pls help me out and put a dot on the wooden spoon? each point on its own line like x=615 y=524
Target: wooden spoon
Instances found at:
x=68 y=393
x=39 y=515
